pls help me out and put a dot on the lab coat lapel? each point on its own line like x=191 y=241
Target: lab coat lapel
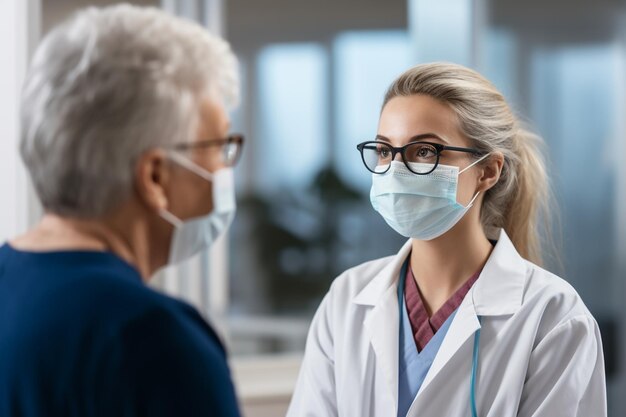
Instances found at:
x=498 y=291
x=462 y=328
x=382 y=321
x=382 y=330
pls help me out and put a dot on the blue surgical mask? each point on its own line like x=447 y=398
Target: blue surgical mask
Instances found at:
x=198 y=234
x=421 y=207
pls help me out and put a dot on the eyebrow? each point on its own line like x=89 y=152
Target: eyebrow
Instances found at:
x=415 y=138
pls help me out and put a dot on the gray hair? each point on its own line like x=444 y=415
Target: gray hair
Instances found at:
x=108 y=85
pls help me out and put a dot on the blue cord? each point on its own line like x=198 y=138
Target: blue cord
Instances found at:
x=474 y=369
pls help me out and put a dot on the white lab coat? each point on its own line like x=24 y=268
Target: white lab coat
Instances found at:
x=540 y=348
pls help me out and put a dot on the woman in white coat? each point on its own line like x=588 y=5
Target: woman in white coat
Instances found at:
x=462 y=321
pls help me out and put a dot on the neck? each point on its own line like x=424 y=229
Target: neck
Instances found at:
x=442 y=265
x=112 y=234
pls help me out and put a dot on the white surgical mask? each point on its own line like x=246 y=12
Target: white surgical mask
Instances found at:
x=419 y=206
x=196 y=235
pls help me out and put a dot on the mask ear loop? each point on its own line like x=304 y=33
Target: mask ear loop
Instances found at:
x=469 y=205
x=473 y=163
x=170 y=218
x=196 y=169
x=191 y=166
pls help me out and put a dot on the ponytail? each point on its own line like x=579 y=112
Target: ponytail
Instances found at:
x=529 y=204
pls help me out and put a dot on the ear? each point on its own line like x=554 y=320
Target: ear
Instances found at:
x=152 y=177
x=491 y=169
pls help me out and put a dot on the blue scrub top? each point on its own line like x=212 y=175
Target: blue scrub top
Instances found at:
x=414 y=365
x=81 y=335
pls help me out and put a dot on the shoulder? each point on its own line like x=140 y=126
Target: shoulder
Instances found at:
x=554 y=302
x=548 y=289
x=166 y=348
x=141 y=310
x=358 y=286
x=120 y=295
x=120 y=306
x=166 y=357
x=169 y=329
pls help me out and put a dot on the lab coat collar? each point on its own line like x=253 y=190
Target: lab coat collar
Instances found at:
x=371 y=294
x=500 y=287
x=382 y=321
x=498 y=291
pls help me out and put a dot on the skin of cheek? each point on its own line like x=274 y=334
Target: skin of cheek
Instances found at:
x=193 y=193
x=189 y=195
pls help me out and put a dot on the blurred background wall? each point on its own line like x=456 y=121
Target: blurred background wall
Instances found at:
x=314 y=74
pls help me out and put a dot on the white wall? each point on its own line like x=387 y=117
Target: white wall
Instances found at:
x=251 y=23
x=55 y=11
x=19 y=30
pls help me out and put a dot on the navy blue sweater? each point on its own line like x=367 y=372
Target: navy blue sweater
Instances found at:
x=81 y=335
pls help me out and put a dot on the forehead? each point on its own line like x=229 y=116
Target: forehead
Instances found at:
x=404 y=117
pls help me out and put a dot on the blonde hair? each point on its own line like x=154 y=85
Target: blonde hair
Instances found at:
x=520 y=201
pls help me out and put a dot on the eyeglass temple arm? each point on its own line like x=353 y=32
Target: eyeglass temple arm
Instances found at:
x=467 y=150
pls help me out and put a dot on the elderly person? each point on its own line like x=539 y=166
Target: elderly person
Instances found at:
x=125 y=136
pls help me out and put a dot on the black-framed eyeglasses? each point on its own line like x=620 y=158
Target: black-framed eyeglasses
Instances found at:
x=231 y=147
x=420 y=157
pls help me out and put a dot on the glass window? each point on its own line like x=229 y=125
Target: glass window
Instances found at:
x=573 y=100
x=304 y=214
x=365 y=64
x=290 y=139
x=442 y=30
